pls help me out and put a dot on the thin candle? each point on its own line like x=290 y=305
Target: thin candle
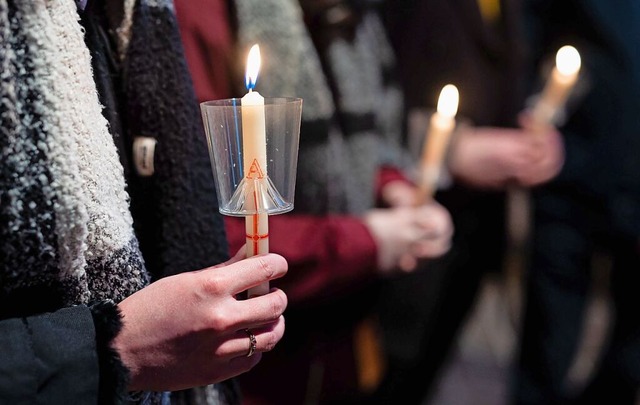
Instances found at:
x=441 y=126
x=558 y=87
x=254 y=149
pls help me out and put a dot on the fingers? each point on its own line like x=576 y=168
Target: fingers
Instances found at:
x=433 y=230
x=437 y=233
x=407 y=263
x=238 y=348
x=399 y=193
x=431 y=249
x=406 y=234
x=249 y=313
x=434 y=221
x=266 y=338
x=527 y=122
x=242 y=364
x=238 y=276
x=547 y=162
x=426 y=249
x=264 y=309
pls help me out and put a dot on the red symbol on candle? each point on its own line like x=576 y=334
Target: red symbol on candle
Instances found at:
x=256 y=237
x=255 y=170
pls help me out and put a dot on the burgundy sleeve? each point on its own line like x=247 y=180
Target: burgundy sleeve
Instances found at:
x=326 y=255
x=208 y=45
x=387 y=174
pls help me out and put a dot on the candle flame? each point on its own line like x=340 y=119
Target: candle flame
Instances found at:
x=568 y=60
x=448 y=101
x=253 y=67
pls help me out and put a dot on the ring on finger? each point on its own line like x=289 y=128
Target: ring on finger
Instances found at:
x=252 y=342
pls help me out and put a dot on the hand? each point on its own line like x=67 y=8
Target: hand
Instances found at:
x=493 y=158
x=404 y=235
x=399 y=193
x=547 y=153
x=189 y=329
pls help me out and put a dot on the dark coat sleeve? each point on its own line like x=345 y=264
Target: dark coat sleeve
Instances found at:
x=49 y=358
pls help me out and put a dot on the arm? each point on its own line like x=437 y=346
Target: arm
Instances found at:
x=182 y=331
x=49 y=357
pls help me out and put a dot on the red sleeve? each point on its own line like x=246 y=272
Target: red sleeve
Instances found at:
x=208 y=45
x=326 y=255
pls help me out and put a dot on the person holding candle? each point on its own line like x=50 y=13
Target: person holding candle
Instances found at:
x=475 y=45
x=339 y=241
x=332 y=281
x=592 y=205
x=91 y=212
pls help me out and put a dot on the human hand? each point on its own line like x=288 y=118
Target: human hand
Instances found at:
x=489 y=157
x=188 y=330
x=405 y=234
x=399 y=193
x=547 y=153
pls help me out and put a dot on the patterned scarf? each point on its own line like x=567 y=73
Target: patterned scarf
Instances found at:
x=352 y=107
x=64 y=215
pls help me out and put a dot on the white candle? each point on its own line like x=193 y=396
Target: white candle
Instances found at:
x=254 y=149
x=562 y=80
x=441 y=126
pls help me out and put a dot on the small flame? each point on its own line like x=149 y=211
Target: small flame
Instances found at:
x=568 y=60
x=253 y=67
x=448 y=101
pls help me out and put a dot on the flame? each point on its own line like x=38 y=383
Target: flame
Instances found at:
x=568 y=60
x=448 y=101
x=253 y=67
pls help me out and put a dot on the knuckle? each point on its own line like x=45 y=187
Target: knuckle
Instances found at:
x=220 y=320
x=266 y=267
x=213 y=285
x=271 y=342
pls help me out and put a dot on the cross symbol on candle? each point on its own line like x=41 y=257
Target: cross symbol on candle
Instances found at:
x=255 y=236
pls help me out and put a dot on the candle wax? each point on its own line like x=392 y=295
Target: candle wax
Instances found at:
x=440 y=129
x=553 y=96
x=254 y=149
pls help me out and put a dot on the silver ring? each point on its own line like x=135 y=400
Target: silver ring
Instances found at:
x=252 y=342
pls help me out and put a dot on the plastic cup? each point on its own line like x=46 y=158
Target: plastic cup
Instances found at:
x=241 y=195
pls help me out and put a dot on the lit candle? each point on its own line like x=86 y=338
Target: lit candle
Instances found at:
x=441 y=126
x=254 y=150
x=558 y=86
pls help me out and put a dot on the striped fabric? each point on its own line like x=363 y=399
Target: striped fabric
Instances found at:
x=352 y=104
